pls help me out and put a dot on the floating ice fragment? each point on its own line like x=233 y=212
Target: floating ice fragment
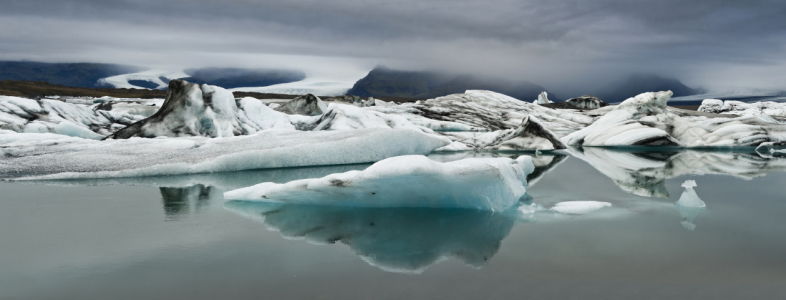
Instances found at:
x=689 y=205
x=579 y=207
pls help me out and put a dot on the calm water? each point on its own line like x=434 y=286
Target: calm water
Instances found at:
x=134 y=239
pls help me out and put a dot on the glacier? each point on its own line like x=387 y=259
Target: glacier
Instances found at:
x=494 y=184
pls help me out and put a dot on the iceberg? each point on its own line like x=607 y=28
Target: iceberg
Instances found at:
x=586 y=102
x=43 y=158
x=543 y=98
x=531 y=135
x=400 y=240
x=739 y=108
x=689 y=205
x=494 y=184
x=189 y=110
x=477 y=110
x=54 y=116
x=308 y=105
x=644 y=120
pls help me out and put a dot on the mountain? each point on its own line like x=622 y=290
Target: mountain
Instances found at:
x=223 y=77
x=384 y=82
x=66 y=74
x=639 y=83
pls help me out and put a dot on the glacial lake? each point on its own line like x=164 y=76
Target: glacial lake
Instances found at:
x=177 y=238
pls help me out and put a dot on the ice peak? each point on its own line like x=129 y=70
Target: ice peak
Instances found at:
x=689 y=184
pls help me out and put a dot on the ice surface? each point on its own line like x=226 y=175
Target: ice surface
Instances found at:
x=579 y=207
x=766 y=109
x=586 y=102
x=348 y=117
x=408 y=181
x=644 y=120
x=308 y=105
x=41 y=158
x=401 y=240
x=190 y=110
x=531 y=135
x=54 y=116
x=477 y=110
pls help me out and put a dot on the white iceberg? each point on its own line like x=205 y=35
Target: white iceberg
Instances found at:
x=78 y=158
x=543 y=98
x=765 y=109
x=408 y=181
x=689 y=205
x=477 y=110
x=54 y=116
x=644 y=120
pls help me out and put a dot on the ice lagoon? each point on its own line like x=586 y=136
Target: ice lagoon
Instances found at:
x=177 y=237
x=211 y=195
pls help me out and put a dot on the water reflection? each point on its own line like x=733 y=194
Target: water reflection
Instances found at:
x=406 y=240
x=644 y=173
x=178 y=202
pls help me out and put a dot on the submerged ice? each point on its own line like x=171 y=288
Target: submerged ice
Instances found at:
x=408 y=181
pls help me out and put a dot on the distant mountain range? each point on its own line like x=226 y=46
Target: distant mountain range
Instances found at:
x=380 y=82
x=66 y=74
x=639 y=83
x=384 y=82
x=120 y=76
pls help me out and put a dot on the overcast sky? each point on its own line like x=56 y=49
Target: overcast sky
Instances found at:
x=559 y=44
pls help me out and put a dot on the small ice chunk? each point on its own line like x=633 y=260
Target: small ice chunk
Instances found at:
x=689 y=197
x=579 y=207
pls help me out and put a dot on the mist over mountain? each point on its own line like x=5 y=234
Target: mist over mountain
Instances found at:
x=640 y=83
x=385 y=82
x=229 y=78
x=66 y=74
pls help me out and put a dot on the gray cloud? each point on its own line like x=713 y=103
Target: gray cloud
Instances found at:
x=566 y=45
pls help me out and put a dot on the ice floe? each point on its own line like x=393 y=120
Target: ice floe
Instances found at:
x=644 y=120
x=54 y=116
x=493 y=184
x=764 y=109
x=485 y=111
x=689 y=205
x=80 y=158
x=579 y=207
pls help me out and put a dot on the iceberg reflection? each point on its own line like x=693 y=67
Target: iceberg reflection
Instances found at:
x=405 y=240
x=645 y=173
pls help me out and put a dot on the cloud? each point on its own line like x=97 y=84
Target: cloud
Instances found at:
x=563 y=45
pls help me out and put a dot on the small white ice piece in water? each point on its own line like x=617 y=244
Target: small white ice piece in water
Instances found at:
x=579 y=207
x=689 y=197
x=689 y=205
